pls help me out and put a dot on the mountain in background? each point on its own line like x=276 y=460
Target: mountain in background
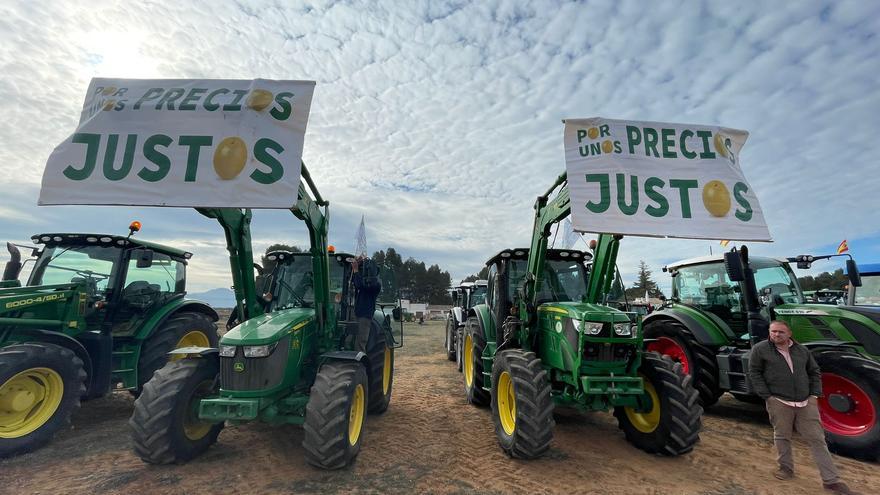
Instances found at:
x=217 y=298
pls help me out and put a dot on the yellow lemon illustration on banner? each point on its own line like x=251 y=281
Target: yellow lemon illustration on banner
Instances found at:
x=716 y=198
x=108 y=105
x=229 y=157
x=607 y=146
x=259 y=99
x=719 y=144
x=593 y=132
x=109 y=90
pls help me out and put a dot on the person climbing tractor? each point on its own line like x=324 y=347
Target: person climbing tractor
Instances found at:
x=365 y=278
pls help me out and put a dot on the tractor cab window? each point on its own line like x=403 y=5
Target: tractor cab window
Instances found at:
x=478 y=296
x=294 y=285
x=709 y=288
x=774 y=280
x=564 y=280
x=869 y=293
x=92 y=265
x=145 y=285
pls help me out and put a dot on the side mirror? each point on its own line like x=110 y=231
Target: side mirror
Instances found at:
x=145 y=258
x=852 y=273
x=734 y=265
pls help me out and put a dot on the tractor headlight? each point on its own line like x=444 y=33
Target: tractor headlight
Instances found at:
x=227 y=351
x=593 y=328
x=258 y=351
x=623 y=329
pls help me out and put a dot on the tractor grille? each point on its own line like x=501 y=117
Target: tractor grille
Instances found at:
x=258 y=373
x=594 y=351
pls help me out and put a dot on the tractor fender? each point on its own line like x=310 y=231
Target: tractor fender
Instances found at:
x=458 y=316
x=837 y=345
x=195 y=352
x=481 y=312
x=702 y=334
x=173 y=307
x=33 y=335
x=356 y=356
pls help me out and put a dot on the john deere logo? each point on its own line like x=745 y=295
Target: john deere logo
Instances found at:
x=239 y=367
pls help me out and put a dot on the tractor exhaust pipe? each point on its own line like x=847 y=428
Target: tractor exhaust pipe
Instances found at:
x=13 y=266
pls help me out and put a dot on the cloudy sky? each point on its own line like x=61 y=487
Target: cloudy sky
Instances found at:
x=440 y=122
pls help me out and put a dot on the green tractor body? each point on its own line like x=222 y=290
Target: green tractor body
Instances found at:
x=98 y=313
x=464 y=297
x=711 y=322
x=545 y=336
x=287 y=358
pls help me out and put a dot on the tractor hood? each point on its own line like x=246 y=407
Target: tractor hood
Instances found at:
x=586 y=312
x=268 y=328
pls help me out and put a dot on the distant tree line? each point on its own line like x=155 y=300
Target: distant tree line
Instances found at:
x=416 y=281
x=836 y=281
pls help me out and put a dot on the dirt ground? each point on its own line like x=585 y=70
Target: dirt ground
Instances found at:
x=429 y=441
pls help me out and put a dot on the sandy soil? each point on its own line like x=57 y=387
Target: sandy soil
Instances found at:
x=429 y=441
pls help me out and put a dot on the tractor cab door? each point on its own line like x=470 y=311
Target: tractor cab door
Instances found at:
x=151 y=280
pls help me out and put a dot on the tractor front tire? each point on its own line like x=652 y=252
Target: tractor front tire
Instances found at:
x=381 y=375
x=671 y=424
x=165 y=427
x=450 y=339
x=522 y=408
x=40 y=387
x=335 y=415
x=183 y=329
x=850 y=404
x=677 y=342
x=472 y=363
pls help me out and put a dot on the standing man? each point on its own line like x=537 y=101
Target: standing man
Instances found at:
x=786 y=376
x=367 y=286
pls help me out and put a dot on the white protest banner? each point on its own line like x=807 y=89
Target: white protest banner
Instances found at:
x=183 y=142
x=660 y=180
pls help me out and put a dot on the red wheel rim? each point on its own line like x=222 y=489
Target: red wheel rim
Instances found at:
x=671 y=348
x=858 y=420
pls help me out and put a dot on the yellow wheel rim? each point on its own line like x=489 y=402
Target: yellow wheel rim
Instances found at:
x=356 y=415
x=468 y=362
x=506 y=402
x=28 y=400
x=386 y=371
x=195 y=338
x=193 y=427
x=646 y=422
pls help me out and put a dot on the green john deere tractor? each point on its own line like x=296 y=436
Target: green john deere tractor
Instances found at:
x=99 y=312
x=287 y=359
x=546 y=338
x=722 y=305
x=464 y=297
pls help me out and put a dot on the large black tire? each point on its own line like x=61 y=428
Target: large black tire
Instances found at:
x=522 y=408
x=176 y=331
x=701 y=362
x=165 y=427
x=473 y=346
x=449 y=341
x=23 y=375
x=459 y=337
x=853 y=431
x=381 y=358
x=674 y=429
x=331 y=440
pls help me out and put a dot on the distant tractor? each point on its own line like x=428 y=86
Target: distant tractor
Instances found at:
x=288 y=359
x=545 y=338
x=99 y=313
x=722 y=305
x=464 y=297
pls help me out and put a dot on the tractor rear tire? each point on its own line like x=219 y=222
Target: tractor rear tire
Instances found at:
x=450 y=339
x=335 y=415
x=522 y=408
x=472 y=362
x=179 y=330
x=672 y=425
x=381 y=358
x=41 y=385
x=165 y=427
x=698 y=360
x=459 y=338
x=850 y=380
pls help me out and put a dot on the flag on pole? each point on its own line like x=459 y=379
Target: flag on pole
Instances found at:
x=724 y=243
x=569 y=236
x=361 y=249
x=842 y=248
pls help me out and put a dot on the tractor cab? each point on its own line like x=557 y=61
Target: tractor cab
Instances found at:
x=869 y=292
x=123 y=280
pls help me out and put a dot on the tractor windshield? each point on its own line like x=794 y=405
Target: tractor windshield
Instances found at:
x=708 y=287
x=564 y=280
x=478 y=296
x=294 y=284
x=869 y=293
x=71 y=264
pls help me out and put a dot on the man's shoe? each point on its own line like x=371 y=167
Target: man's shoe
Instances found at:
x=839 y=488
x=784 y=474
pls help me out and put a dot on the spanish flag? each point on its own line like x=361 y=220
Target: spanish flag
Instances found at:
x=842 y=248
x=724 y=243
